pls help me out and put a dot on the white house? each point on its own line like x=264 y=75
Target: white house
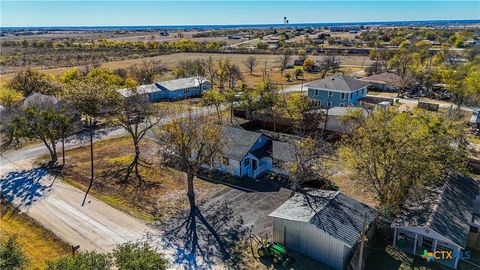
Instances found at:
x=244 y=153
x=441 y=218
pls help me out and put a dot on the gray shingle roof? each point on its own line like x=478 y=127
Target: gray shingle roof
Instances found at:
x=179 y=84
x=236 y=142
x=338 y=82
x=283 y=151
x=331 y=211
x=447 y=209
x=383 y=78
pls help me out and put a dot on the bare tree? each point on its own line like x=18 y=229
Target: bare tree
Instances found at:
x=147 y=71
x=190 y=143
x=137 y=116
x=251 y=63
x=234 y=74
x=92 y=98
x=211 y=69
x=284 y=59
x=308 y=163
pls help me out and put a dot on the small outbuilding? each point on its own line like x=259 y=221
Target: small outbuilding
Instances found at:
x=324 y=225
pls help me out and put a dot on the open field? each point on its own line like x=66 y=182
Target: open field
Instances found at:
x=38 y=243
x=170 y=60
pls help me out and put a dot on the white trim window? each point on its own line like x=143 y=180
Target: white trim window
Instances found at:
x=317 y=92
x=330 y=93
x=342 y=96
x=342 y=104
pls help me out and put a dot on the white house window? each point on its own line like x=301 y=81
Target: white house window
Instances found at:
x=342 y=96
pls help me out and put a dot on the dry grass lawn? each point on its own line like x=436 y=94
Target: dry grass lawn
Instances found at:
x=165 y=191
x=38 y=243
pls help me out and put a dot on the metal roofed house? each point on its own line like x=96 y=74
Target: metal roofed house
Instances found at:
x=244 y=153
x=324 y=225
x=439 y=218
x=172 y=89
x=145 y=89
x=337 y=91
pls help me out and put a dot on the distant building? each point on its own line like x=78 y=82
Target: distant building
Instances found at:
x=386 y=81
x=337 y=91
x=172 y=89
x=322 y=224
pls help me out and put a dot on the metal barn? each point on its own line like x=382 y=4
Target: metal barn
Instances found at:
x=324 y=225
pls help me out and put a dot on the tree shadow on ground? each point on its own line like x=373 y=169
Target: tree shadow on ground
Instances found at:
x=24 y=187
x=203 y=241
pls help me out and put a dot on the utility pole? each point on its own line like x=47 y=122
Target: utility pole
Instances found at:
x=363 y=237
x=63 y=147
x=326 y=116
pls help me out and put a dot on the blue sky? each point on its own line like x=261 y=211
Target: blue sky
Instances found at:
x=112 y=13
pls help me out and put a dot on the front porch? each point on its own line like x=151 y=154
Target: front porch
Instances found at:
x=421 y=242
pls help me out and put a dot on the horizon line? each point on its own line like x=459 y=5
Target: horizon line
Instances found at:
x=470 y=21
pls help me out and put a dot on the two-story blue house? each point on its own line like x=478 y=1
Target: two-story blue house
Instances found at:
x=172 y=89
x=337 y=91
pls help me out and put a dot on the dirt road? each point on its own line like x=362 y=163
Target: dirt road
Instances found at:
x=57 y=207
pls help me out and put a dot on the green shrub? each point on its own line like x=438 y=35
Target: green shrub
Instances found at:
x=11 y=254
x=83 y=261
x=138 y=256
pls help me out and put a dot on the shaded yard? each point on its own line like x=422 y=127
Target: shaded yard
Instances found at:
x=206 y=236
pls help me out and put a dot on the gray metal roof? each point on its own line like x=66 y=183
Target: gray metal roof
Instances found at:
x=236 y=142
x=447 y=209
x=179 y=84
x=142 y=89
x=338 y=82
x=333 y=212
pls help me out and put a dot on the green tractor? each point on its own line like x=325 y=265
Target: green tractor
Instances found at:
x=277 y=252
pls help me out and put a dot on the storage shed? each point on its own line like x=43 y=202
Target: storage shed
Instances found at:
x=324 y=225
